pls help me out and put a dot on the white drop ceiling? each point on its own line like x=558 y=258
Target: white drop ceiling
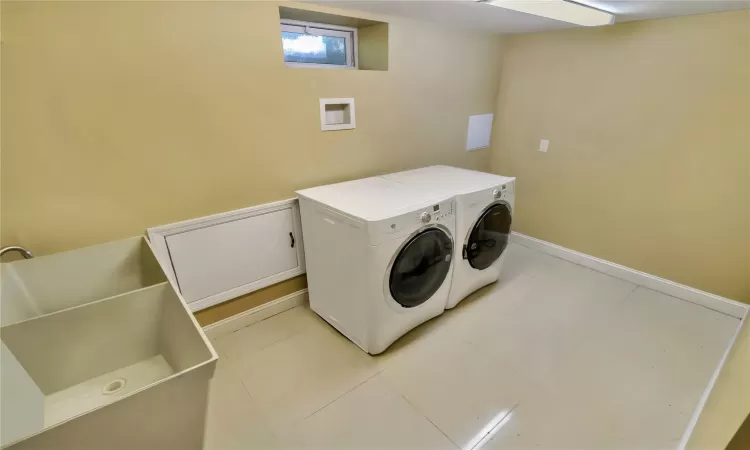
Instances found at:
x=468 y=14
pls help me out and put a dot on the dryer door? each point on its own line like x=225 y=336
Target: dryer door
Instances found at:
x=489 y=237
x=420 y=268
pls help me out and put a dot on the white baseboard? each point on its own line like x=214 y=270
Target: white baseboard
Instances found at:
x=707 y=392
x=692 y=295
x=251 y=316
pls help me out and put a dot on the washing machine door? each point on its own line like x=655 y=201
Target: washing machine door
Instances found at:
x=420 y=267
x=489 y=237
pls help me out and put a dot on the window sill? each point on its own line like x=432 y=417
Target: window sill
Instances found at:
x=317 y=66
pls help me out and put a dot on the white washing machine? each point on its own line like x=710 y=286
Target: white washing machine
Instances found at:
x=379 y=256
x=484 y=210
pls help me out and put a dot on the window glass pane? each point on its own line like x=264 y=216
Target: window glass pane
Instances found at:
x=304 y=48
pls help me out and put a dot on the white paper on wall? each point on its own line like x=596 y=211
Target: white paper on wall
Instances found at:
x=480 y=129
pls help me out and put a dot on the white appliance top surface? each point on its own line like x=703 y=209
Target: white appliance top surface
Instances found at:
x=374 y=198
x=448 y=180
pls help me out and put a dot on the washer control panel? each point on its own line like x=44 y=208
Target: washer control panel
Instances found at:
x=391 y=228
x=436 y=213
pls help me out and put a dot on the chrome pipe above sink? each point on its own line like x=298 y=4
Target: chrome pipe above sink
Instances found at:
x=15 y=248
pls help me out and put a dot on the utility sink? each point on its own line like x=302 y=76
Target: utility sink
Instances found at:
x=112 y=359
x=43 y=285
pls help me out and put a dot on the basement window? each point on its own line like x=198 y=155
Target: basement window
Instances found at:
x=309 y=44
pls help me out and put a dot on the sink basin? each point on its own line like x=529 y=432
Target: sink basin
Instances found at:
x=128 y=370
x=42 y=285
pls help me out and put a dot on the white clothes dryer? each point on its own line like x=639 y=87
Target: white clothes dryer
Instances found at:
x=484 y=210
x=379 y=256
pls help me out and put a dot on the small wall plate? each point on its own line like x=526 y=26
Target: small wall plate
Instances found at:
x=480 y=130
x=337 y=114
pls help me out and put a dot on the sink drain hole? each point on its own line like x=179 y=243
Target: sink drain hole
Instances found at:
x=114 y=386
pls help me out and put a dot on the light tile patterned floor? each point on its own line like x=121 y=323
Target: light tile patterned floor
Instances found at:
x=552 y=356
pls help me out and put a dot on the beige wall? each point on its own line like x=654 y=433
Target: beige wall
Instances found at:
x=1 y=140
x=121 y=116
x=649 y=160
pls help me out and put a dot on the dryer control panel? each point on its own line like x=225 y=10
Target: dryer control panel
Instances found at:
x=474 y=202
x=505 y=192
x=440 y=213
x=437 y=213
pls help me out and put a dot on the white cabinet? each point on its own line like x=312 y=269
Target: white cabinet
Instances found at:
x=217 y=258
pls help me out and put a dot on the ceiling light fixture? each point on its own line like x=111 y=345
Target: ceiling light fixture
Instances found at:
x=558 y=10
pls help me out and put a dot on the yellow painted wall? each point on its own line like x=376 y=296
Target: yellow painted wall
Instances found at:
x=649 y=157
x=1 y=140
x=118 y=116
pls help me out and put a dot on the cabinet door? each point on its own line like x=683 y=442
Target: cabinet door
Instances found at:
x=218 y=258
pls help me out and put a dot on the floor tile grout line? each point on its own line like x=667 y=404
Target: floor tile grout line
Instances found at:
x=629 y=294
x=427 y=418
x=327 y=404
x=247 y=391
x=500 y=422
x=234 y=361
x=575 y=263
x=688 y=301
x=677 y=298
x=268 y=345
x=342 y=395
x=260 y=321
x=622 y=279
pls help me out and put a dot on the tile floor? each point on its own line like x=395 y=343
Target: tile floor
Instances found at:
x=552 y=356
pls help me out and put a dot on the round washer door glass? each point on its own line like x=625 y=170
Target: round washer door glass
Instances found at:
x=489 y=237
x=421 y=267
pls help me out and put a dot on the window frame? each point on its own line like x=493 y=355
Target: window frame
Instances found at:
x=321 y=29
